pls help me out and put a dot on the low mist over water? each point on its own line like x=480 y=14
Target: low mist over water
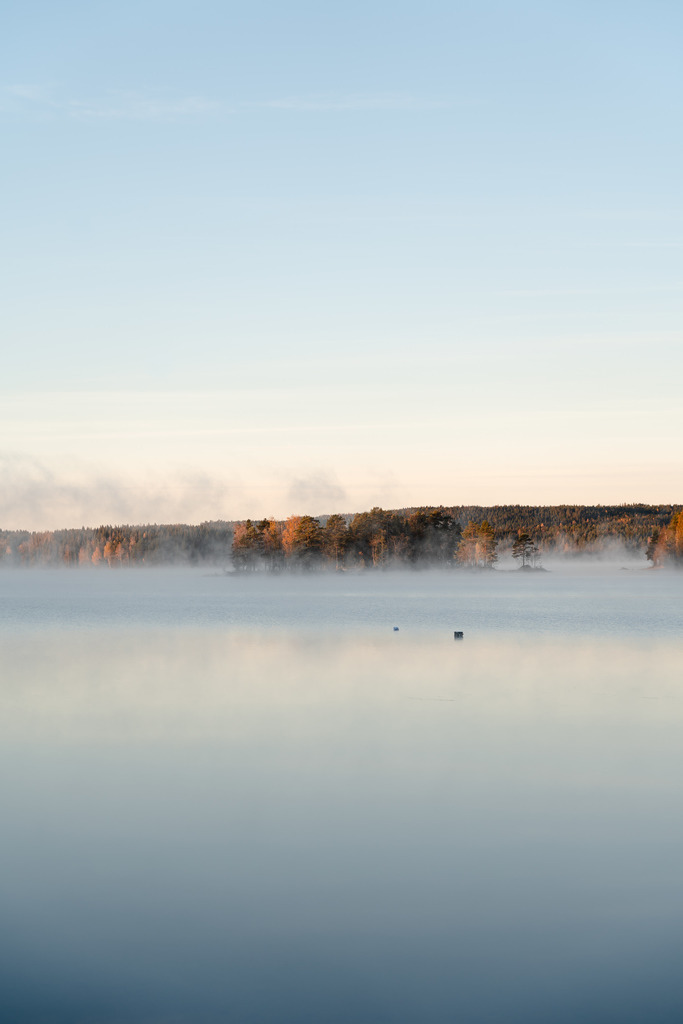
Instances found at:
x=584 y=596
x=247 y=799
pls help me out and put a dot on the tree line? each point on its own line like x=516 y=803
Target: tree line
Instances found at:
x=572 y=529
x=457 y=536
x=666 y=544
x=430 y=536
x=118 y=546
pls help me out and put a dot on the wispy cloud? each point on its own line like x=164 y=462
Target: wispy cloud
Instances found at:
x=34 y=497
x=131 y=105
x=538 y=293
x=354 y=101
x=316 y=490
x=31 y=93
x=113 y=105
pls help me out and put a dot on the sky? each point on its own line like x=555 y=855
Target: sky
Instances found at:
x=286 y=258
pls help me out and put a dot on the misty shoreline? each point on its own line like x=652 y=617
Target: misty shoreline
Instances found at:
x=456 y=537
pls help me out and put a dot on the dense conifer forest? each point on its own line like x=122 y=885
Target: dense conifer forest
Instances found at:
x=459 y=536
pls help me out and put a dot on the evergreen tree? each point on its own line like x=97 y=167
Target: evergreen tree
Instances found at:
x=525 y=549
x=335 y=539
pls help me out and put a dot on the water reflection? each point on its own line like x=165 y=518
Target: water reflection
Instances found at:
x=202 y=826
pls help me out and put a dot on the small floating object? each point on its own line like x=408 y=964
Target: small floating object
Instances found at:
x=458 y=634
x=395 y=629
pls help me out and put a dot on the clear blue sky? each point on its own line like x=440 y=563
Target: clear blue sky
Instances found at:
x=273 y=258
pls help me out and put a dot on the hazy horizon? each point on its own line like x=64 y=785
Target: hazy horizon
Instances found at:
x=8 y=524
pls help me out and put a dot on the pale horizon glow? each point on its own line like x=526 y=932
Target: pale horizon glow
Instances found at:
x=286 y=260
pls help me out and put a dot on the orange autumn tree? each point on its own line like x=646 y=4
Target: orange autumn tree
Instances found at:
x=270 y=543
x=289 y=535
x=302 y=540
x=244 y=546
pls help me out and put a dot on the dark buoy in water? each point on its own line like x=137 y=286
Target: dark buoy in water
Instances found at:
x=458 y=634
x=395 y=629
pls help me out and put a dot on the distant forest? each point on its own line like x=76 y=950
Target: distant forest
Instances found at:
x=460 y=536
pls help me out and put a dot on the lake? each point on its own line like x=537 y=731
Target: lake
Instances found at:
x=249 y=799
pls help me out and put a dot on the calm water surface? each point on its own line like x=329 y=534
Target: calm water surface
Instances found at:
x=239 y=799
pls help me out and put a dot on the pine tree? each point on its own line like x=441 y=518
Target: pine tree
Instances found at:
x=525 y=549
